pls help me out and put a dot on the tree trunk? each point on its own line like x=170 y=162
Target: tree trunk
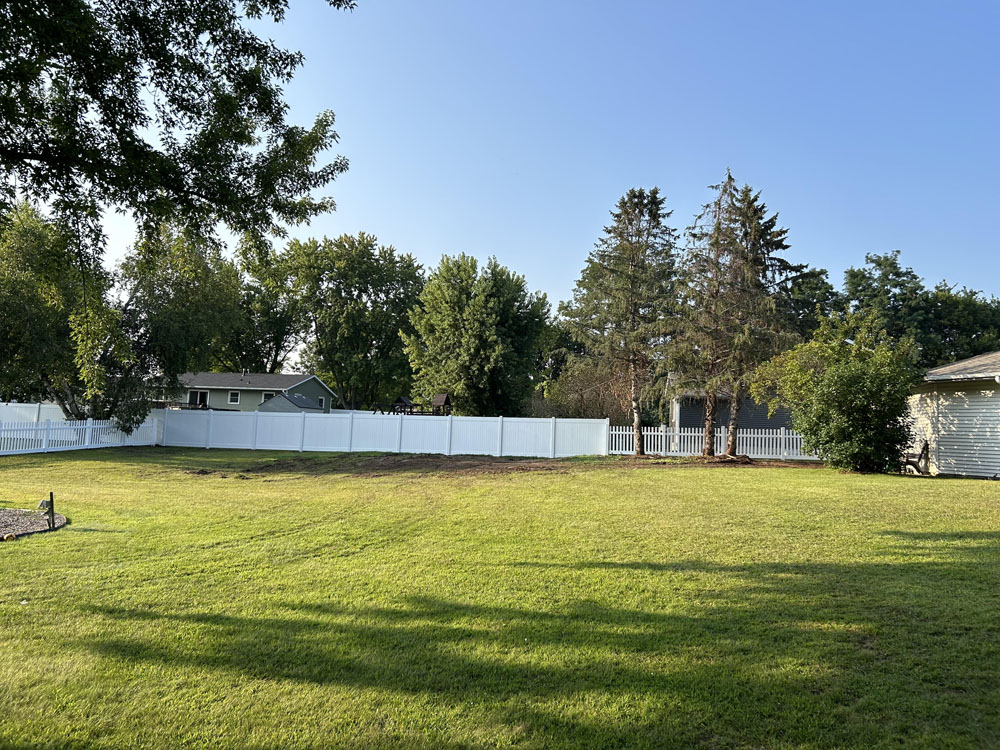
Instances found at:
x=708 y=449
x=640 y=448
x=734 y=424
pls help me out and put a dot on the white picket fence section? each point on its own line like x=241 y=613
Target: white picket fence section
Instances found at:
x=15 y=412
x=50 y=436
x=386 y=433
x=688 y=441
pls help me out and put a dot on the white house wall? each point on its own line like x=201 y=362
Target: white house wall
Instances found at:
x=961 y=423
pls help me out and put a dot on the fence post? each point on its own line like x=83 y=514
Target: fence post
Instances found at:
x=447 y=447
x=253 y=438
x=552 y=440
x=607 y=436
x=302 y=432
x=784 y=442
x=350 y=431
x=500 y=435
x=48 y=432
x=663 y=439
x=208 y=430
x=89 y=435
x=399 y=434
x=38 y=412
x=166 y=414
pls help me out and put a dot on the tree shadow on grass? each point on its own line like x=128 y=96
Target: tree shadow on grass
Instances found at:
x=757 y=654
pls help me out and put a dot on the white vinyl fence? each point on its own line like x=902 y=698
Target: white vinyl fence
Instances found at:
x=343 y=431
x=688 y=441
x=49 y=436
x=386 y=433
x=15 y=412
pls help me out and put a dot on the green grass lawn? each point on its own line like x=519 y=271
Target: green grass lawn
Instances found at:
x=207 y=599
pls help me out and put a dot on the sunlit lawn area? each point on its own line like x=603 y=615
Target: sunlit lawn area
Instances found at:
x=332 y=601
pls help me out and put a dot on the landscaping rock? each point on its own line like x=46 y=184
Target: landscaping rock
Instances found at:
x=16 y=522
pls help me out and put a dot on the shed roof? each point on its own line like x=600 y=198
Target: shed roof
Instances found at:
x=441 y=399
x=983 y=367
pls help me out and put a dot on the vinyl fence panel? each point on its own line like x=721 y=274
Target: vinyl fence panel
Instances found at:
x=50 y=437
x=688 y=441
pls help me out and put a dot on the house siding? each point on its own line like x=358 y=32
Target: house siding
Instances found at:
x=312 y=389
x=961 y=424
x=753 y=416
x=218 y=398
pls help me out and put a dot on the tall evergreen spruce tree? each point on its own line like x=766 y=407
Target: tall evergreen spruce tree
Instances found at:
x=699 y=352
x=730 y=325
x=625 y=295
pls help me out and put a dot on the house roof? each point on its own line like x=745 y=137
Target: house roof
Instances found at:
x=983 y=367
x=253 y=381
x=298 y=400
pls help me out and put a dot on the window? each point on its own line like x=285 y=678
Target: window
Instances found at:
x=197 y=398
x=266 y=395
x=322 y=403
x=234 y=397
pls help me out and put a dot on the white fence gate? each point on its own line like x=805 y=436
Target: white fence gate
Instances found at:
x=688 y=441
x=49 y=436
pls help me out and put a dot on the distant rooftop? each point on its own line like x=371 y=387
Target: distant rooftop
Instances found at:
x=299 y=400
x=261 y=381
x=983 y=367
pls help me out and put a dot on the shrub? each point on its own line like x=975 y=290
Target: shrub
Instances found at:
x=848 y=390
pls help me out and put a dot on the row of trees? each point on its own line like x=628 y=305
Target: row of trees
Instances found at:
x=108 y=344
x=656 y=312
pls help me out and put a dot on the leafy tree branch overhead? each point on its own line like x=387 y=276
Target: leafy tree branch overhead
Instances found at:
x=169 y=109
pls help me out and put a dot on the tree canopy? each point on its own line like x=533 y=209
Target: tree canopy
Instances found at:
x=169 y=109
x=624 y=298
x=476 y=336
x=357 y=296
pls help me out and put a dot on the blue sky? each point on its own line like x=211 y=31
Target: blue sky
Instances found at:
x=511 y=128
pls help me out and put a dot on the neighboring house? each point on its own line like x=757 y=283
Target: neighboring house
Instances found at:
x=235 y=391
x=956 y=411
x=689 y=411
x=291 y=402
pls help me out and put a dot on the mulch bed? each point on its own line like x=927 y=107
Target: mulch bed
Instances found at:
x=24 y=522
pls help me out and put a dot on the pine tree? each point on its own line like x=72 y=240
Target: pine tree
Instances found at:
x=730 y=325
x=625 y=295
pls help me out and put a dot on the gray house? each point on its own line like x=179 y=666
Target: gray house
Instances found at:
x=235 y=391
x=689 y=411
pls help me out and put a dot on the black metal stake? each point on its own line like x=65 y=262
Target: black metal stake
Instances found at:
x=52 y=512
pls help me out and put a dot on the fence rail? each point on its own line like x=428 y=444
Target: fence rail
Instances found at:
x=688 y=441
x=49 y=436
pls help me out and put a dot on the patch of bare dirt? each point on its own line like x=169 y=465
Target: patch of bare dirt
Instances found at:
x=356 y=465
